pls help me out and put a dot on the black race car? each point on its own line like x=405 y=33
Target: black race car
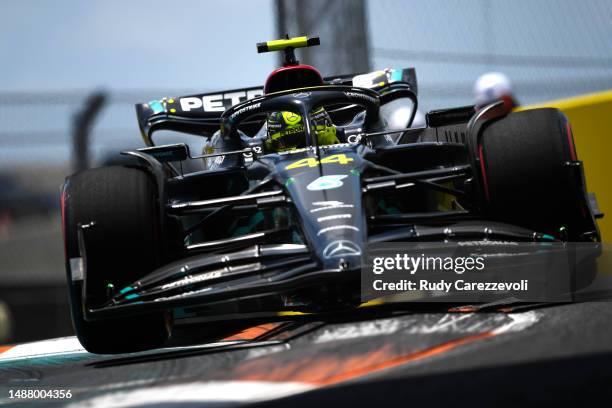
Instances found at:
x=221 y=226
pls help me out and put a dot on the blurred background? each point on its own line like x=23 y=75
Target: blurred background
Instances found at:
x=72 y=71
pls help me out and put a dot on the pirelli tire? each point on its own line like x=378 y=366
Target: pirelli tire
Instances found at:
x=122 y=247
x=528 y=177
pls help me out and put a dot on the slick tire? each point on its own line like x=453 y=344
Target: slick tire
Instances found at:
x=525 y=173
x=122 y=247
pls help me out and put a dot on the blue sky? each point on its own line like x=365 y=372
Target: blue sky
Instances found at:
x=63 y=44
x=194 y=44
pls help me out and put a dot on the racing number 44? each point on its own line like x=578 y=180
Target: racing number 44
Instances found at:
x=312 y=162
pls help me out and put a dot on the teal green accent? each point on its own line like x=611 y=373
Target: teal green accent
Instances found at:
x=354 y=172
x=388 y=210
x=132 y=296
x=126 y=290
x=396 y=75
x=180 y=312
x=296 y=238
x=546 y=236
x=253 y=221
x=156 y=106
x=53 y=360
x=289 y=181
x=230 y=184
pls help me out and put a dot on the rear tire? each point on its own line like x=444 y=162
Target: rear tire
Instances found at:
x=525 y=176
x=123 y=246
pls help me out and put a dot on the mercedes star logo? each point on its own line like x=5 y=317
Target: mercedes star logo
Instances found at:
x=341 y=248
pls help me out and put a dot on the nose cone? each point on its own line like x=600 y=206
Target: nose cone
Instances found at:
x=328 y=200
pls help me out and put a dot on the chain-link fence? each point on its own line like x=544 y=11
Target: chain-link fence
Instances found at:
x=549 y=48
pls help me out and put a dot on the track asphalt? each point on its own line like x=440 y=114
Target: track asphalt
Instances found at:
x=552 y=354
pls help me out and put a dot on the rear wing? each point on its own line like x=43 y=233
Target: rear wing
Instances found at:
x=201 y=113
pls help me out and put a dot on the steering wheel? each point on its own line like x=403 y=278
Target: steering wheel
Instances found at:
x=301 y=101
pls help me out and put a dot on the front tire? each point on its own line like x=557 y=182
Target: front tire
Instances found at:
x=526 y=162
x=123 y=246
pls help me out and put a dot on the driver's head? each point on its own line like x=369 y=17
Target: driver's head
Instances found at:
x=286 y=130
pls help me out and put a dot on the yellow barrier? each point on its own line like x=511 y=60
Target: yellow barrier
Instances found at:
x=591 y=119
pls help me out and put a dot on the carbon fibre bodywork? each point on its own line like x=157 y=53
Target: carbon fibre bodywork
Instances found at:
x=270 y=231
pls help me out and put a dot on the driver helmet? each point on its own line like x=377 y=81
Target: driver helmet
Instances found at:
x=491 y=87
x=286 y=130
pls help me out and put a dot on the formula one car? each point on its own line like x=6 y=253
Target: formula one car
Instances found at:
x=241 y=216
